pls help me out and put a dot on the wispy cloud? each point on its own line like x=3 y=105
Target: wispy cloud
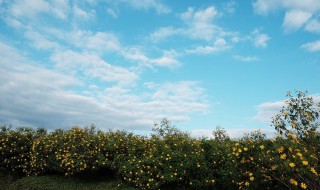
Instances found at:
x=265 y=111
x=230 y=7
x=294 y=19
x=219 y=45
x=156 y=5
x=35 y=95
x=313 y=26
x=233 y=133
x=246 y=58
x=297 y=13
x=312 y=46
x=260 y=40
x=91 y=65
x=201 y=23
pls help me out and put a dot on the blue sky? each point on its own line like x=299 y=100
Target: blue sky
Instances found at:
x=126 y=64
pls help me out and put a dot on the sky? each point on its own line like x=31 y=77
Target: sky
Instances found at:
x=127 y=64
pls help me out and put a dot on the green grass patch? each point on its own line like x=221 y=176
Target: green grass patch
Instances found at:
x=55 y=182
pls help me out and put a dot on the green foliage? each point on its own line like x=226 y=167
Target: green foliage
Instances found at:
x=299 y=116
x=220 y=134
x=172 y=159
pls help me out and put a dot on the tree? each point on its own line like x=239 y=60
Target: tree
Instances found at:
x=299 y=116
x=165 y=128
x=220 y=133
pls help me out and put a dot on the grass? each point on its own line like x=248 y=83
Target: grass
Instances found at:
x=55 y=182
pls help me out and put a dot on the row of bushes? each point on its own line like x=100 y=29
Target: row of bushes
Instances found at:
x=171 y=158
x=252 y=162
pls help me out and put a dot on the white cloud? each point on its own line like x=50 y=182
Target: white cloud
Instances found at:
x=32 y=95
x=93 y=66
x=103 y=41
x=25 y=8
x=219 y=45
x=260 y=40
x=263 y=7
x=313 y=26
x=159 y=7
x=201 y=23
x=312 y=46
x=15 y=23
x=39 y=41
x=233 y=133
x=230 y=7
x=82 y=14
x=295 y=19
x=246 y=58
x=266 y=111
x=164 y=32
x=166 y=62
x=297 y=13
x=112 y=12
x=135 y=54
x=31 y=9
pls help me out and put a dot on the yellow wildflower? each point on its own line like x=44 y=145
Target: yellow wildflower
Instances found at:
x=303 y=186
x=292 y=165
x=305 y=163
x=247 y=184
x=245 y=148
x=262 y=147
x=283 y=156
x=252 y=178
x=280 y=150
x=294 y=182
x=314 y=171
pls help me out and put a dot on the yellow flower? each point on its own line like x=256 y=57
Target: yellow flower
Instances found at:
x=314 y=171
x=262 y=147
x=252 y=178
x=292 y=165
x=303 y=186
x=294 y=124
x=294 y=182
x=283 y=156
x=293 y=136
x=247 y=184
x=245 y=149
x=299 y=154
x=305 y=163
x=280 y=150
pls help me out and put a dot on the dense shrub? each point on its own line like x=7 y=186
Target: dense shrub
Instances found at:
x=172 y=159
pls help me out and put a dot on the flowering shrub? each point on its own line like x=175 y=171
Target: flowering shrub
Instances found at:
x=171 y=158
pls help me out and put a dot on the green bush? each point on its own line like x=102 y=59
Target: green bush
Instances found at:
x=172 y=159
